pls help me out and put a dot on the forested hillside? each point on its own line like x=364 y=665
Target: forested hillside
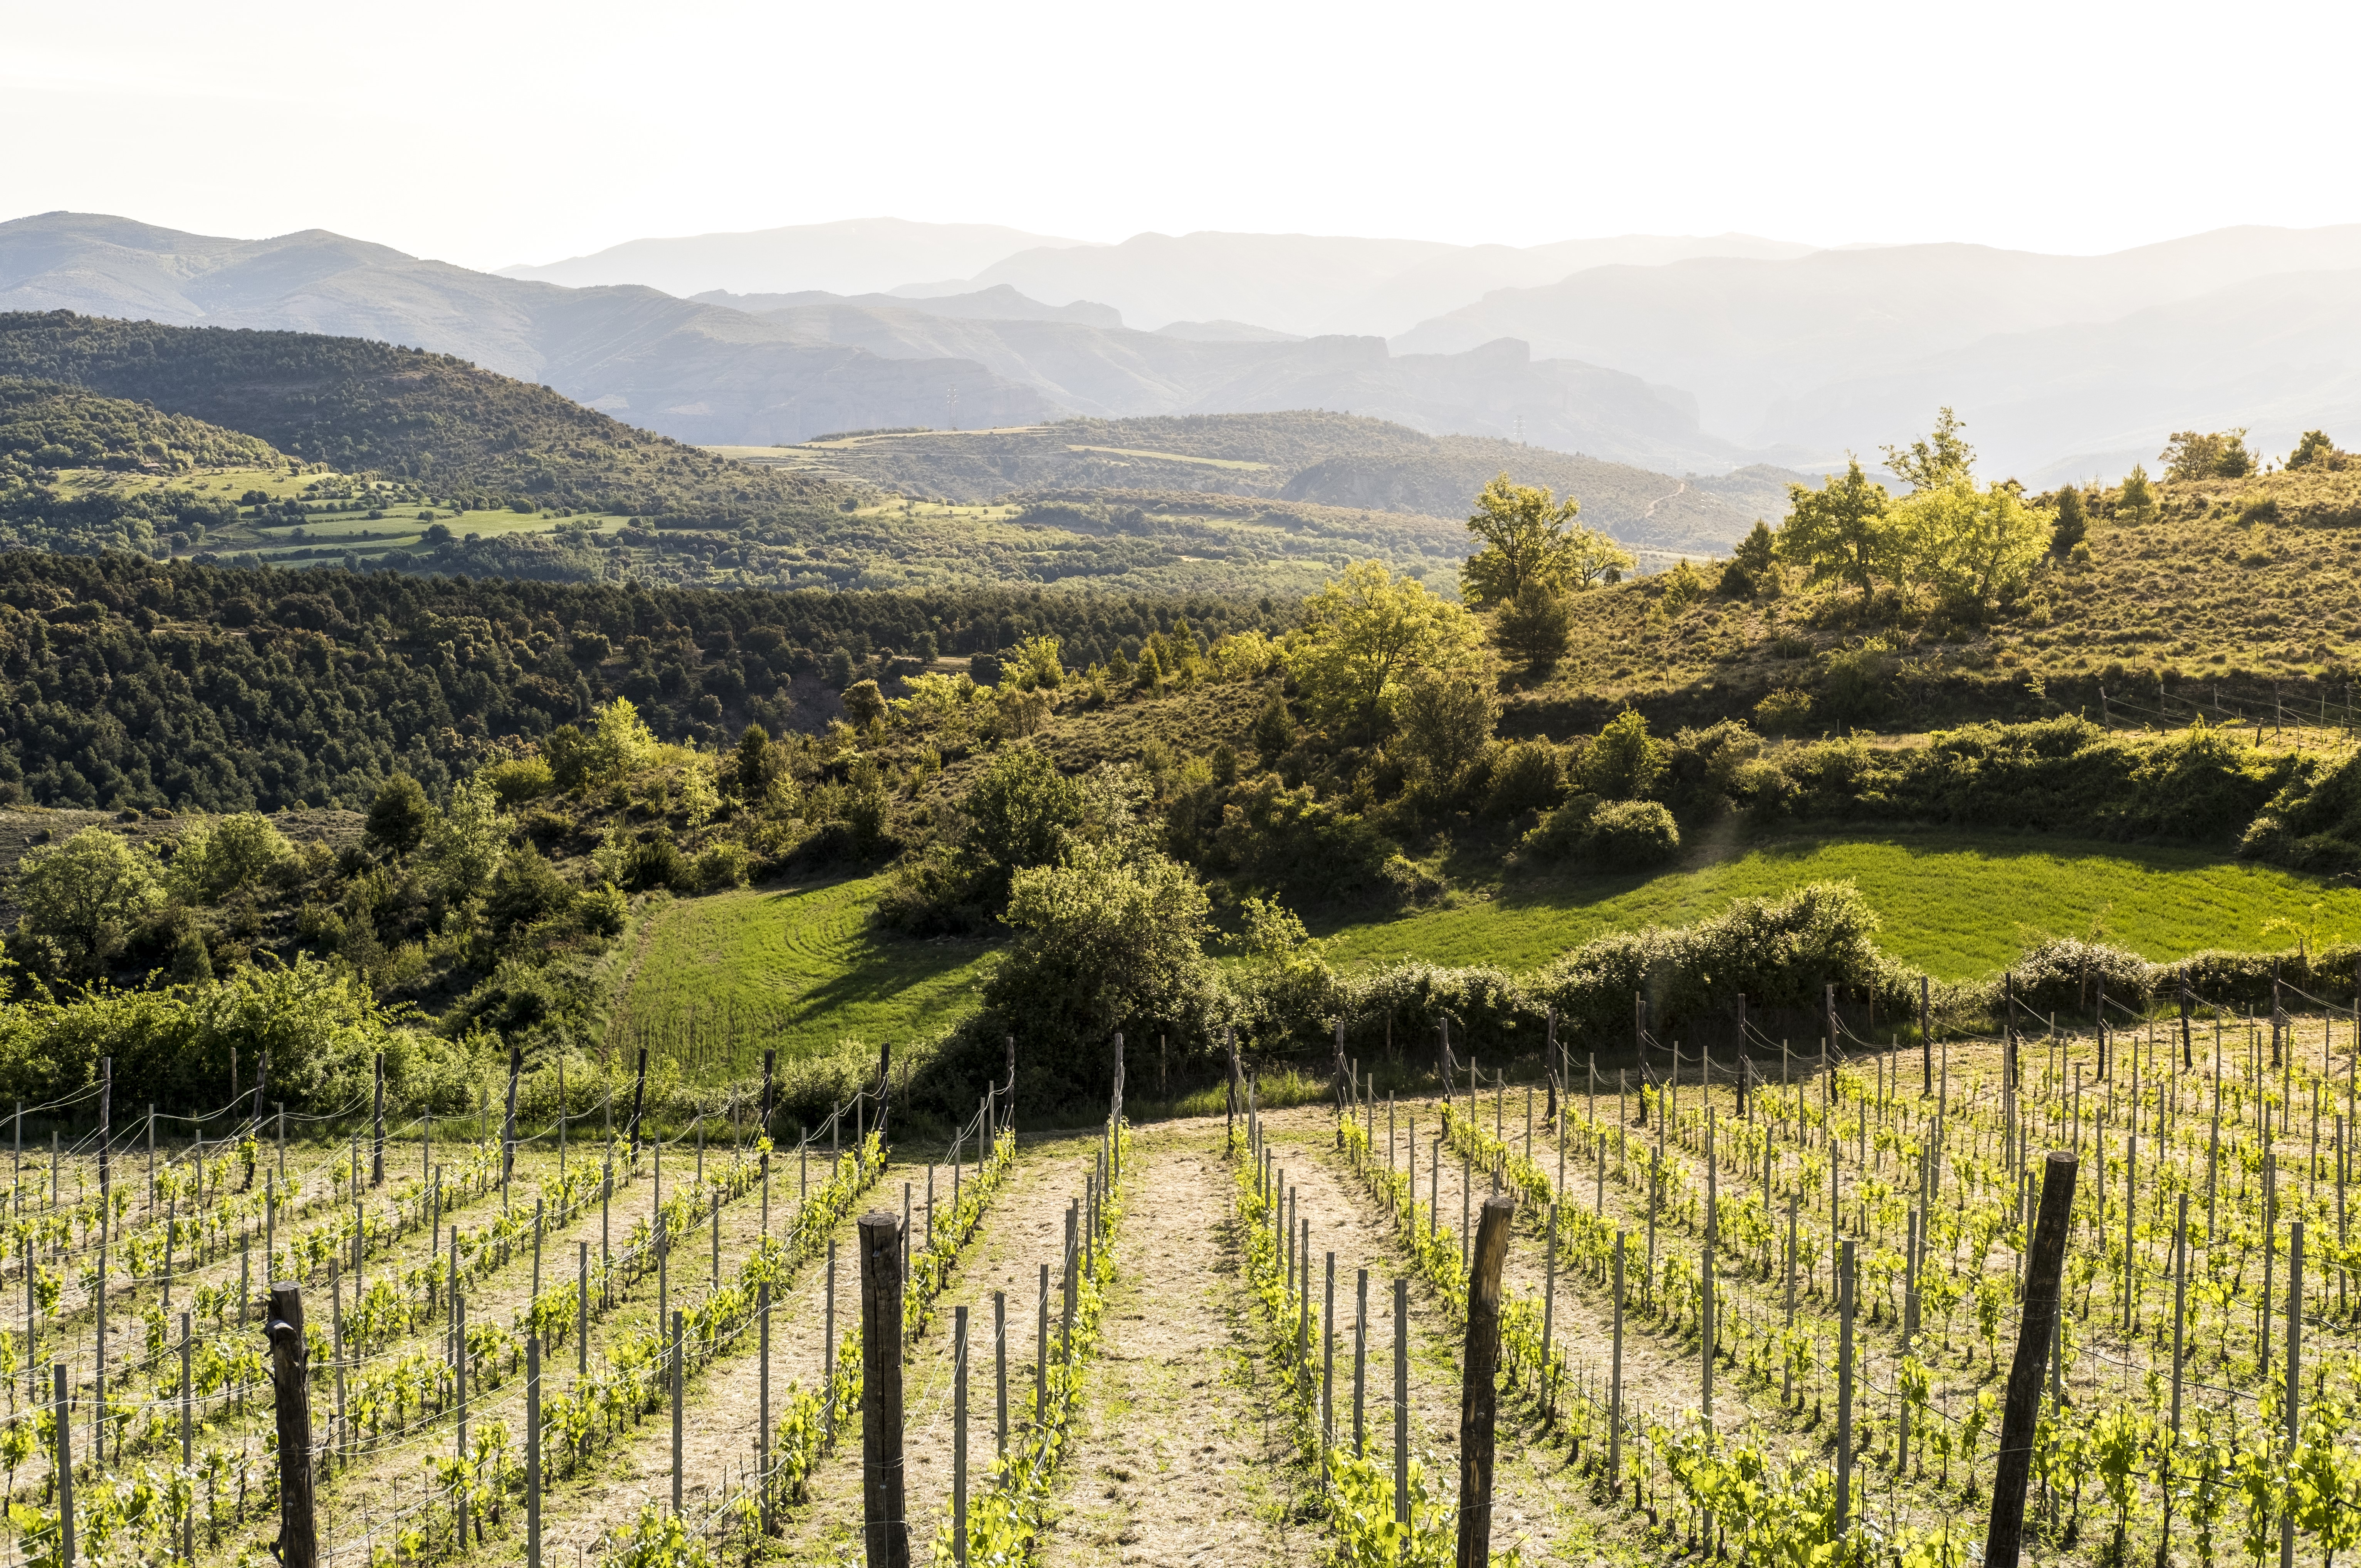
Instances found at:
x=477 y=439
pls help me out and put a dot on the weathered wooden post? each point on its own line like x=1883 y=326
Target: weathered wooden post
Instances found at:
x=1615 y=1384
x=1000 y=1366
x=959 y=1435
x=639 y=1099
x=1360 y=1365
x=2004 y=1538
x=1402 y=1401
x=1844 y=1388
x=884 y=1529
x=1479 y=1395
x=299 y=1542
x=533 y=1451
x=678 y=1380
x=508 y=1122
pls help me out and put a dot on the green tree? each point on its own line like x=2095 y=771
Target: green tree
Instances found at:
x=752 y=764
x=85 y=894
x=1362 y=636
x=2206 y=455
x=1104 y=942
x=1624 y=762
x=1034 y=662
x=1535 y=626
x=1530 y=537
x=2138 y=500
x=1446 y=722
x=1274 y=731
x=620 y=742
x=1942 y=459
x=1967 y=544
x=399 y=816
x=1019 y=813
x=1840 y=532
x=2313 y=448
x=864 y=705
x=219 y=858
x=2073 y=521
x=467 y=839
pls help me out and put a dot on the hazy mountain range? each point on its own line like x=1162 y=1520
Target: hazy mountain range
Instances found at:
x=1681 y=354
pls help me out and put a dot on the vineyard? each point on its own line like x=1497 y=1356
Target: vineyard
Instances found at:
x=1758 y=1304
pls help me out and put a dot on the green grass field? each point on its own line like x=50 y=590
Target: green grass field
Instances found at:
x=804 y=959
x=1959 y=905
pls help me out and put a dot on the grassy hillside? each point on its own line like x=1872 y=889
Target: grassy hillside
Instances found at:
x=466 y=436
x=1324 y=459
x=798 y=963
x=1961 y=905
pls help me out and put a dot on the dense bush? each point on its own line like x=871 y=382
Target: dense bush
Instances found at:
x=1632 y=835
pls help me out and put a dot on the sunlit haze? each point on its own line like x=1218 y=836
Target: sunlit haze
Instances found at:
x=490 y=134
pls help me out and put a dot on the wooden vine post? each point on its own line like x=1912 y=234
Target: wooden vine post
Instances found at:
x=885 y=1530
x=1479 y=1393
x=2005 y=1539
x=299 y=1540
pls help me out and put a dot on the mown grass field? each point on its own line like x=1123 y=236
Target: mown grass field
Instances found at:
x=1959 y=905
x=801 y=960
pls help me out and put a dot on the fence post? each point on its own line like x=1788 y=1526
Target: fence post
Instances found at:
x=1615 y=1385
x=188 y=1441
x=1360 y=1363
x=299 y=1542
x=886 y=1533
x=959 y=1435
x=2005 y=1539
x=533 y=1451
x=1402 y=1401
x=1000 y=1367
x=1548 y=1315
x=2294 y=1372
x=1844 y=1388
x=1479 y=1391
x=678 y=1380
x=65 y=1469
x=762 y=1407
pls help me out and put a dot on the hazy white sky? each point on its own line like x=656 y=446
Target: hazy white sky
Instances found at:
x=488 y=133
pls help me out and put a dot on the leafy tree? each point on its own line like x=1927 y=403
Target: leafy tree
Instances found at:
x=2206 y=455
x=399 y=818
x=1840 y=532
x=1751 y=562
x=1625 y=762
x=1535 y=626
x=1019 y=813
x=864 y=705
x=752 y=764
x=526 y=889
x=85 y=894
x=1446 y=722
x=1942 y=459
x=2073 y=521
x=620 y=742
x=2139 y=496
x=1970 y=545
x=218 y=859
x=1366 y=633
x=1530 y=537
x=1274 y=732
x=1035 y=661
x=1103 y=941
x=465 y=845
x=2313 y=448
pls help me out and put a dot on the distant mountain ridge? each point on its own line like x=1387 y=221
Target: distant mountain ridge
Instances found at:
x=853 y=256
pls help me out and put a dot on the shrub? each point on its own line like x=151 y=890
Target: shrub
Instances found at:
x=1632 y=835
x=1623 y=763
x=398 y=818
x=218 y=857
x=1787 y=711
x=1290 y=841
x=1560 y=832
x=520 y=780
x=719 y=865
x=1527 y=776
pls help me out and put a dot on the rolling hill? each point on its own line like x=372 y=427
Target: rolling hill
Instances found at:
x=856 y=256
x=1334 y=460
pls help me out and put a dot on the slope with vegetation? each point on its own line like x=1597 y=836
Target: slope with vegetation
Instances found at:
x=1320 y=458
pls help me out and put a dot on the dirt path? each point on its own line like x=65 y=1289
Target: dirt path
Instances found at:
x=1176 y=1458
x=1024 y=1229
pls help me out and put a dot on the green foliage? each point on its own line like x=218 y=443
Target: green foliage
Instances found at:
x=1970 y=546
x=1364 y=635
x=1291 y=840
x=520 y=779
x=2138 y=497
x=1274 y=730
x=315 y=1022
x=1840 y=533
x=216 y=859
x=2073 y=521
x=1632 y=835
x=1532 y=540
x=400 y=816
x=52 y=426
x=1623 y=763
x=1535 y=627
x=1103 y=943
x=1445 y=722
x=1940 y=461
x=1787 y=711
x=2313 y=450
x=85 y=895
x=2190 y=454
